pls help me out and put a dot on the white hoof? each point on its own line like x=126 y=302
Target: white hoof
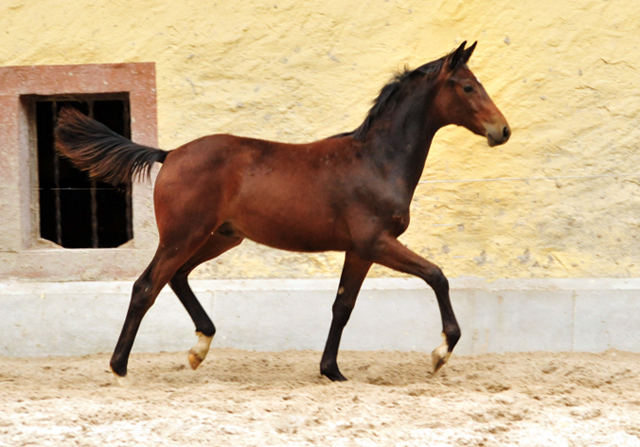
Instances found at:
x=440 y=356
x=199 y=352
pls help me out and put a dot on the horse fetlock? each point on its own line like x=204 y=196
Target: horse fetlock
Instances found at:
x=451 y=335
x=199 y=352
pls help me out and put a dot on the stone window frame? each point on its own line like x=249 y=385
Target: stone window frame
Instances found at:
x=23 y=254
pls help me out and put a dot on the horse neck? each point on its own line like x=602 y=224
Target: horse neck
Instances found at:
x=403 y=138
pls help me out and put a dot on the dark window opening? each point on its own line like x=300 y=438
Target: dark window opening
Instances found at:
x=75 y=211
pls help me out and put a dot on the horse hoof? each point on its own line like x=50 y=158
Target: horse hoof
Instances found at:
x=199 y=352
x=331 y=372
x=121 y=381
x=335 y=377
x=194 y=360
x=439 y=357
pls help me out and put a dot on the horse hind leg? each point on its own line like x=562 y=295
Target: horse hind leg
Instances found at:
x=205 y=330
x=218 y=243
x=144 y=293
x=175 y=249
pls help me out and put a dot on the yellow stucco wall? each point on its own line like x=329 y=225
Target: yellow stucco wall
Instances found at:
x=561 y=199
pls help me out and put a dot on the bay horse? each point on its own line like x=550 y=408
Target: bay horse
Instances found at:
x=350 y=192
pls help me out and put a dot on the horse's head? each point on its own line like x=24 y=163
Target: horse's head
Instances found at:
x=462 y=100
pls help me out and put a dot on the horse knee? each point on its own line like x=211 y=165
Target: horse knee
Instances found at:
x=436 y=279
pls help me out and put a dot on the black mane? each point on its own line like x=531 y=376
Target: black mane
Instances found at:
x=388 y=93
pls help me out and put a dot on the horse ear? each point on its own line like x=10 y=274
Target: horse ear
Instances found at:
x=455 y=58
x=468 y=52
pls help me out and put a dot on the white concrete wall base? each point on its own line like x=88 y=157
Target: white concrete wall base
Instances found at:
x=75 y=318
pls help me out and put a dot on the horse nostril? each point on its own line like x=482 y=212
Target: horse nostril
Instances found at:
x=506 y=132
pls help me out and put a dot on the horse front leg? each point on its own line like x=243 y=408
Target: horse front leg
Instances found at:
x=353 y=274
x=396 y=256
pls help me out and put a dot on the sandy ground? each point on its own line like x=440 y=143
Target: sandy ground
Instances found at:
x=240 y=398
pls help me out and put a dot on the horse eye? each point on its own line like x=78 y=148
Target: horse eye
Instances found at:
x=467 y=88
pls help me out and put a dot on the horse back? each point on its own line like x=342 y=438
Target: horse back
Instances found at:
x=288 y=196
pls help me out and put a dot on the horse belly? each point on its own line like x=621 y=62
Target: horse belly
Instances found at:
x=293 y=229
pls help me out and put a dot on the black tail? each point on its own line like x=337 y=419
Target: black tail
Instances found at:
x=107 y=156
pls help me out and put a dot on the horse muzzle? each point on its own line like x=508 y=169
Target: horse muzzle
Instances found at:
x=498 y=134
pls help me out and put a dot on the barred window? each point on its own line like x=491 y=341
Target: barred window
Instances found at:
x=76 y=212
